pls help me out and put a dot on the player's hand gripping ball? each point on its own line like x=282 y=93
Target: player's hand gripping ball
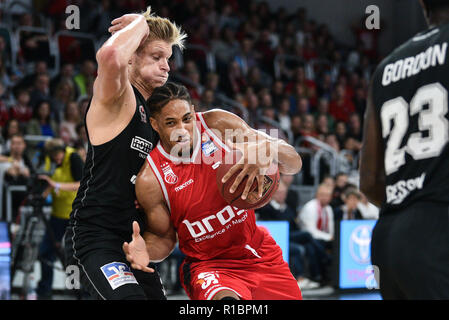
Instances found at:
x=270 y=184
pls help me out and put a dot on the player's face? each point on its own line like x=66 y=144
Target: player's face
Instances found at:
x=150 y=63
x=175 y=125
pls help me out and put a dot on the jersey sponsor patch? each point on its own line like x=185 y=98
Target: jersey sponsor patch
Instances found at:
x=118 y=274
x=141 y=145
x=208 y=147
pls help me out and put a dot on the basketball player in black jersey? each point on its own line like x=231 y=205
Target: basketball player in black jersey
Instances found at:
x=404 y=165
x=131 y=63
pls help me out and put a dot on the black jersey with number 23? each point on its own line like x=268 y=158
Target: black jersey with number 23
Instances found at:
x=410 y=94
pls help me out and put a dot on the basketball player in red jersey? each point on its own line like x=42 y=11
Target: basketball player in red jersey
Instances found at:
x=227 y=255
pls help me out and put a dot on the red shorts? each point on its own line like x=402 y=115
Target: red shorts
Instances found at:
x=260 y=274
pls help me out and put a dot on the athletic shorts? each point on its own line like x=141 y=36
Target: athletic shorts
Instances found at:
x=410 y=248
x=103 y=269
x=260 y=274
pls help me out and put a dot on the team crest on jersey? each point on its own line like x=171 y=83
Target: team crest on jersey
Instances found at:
x=169 y=176
x=143 y=114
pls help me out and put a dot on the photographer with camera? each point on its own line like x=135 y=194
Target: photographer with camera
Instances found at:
x=67 y=167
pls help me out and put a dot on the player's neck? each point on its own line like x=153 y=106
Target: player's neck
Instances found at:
x=438 y=18
x=144 y=90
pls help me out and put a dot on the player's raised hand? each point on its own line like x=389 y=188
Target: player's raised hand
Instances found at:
x=123 y=21
x=136 y=251
x=255 y=162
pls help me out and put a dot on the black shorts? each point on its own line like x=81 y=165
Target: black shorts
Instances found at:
x=410 y=247
x=104 y=271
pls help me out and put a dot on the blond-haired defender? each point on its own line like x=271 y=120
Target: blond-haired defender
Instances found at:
x=131 y=63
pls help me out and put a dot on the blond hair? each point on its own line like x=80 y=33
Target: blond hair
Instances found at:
x=164 y=29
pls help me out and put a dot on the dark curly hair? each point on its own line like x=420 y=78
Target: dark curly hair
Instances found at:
x=163 y=95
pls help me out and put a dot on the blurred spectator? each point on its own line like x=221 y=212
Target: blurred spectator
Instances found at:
x=308 y=127
x=349 y=210
x=22 y=110
x=82 y=143
x=33 y=45
x=40 y=125
x=341 y=182
x=331 y=140
x=323 y=109
x=17 y=172
x=84 y=79
x=322 y=125
x=325 y=87
x=360 y=101
x=67 y=128
x=4 y=114
x=283 y=115
x=212 y=82
x=341 y=133
x=367 y=209
x=5 y=78
x=296 y=125
x=194 y=88
x=317 y=216
x=246 y=57
x=235 y=79
x=302 y=106
x=66 y=74
x=63 y=95
x=355 y=130
x=226 y=46
x=41 y=90
x=341 y=106
x=11 y=129
x=65 y=167
x=277 y=93
x=207 y=100
x=29 y=80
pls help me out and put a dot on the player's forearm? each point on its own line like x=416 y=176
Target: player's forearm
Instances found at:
x=119 y=48
x=158 y=247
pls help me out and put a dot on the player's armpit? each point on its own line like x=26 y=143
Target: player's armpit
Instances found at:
x=159 y=235
x=372 y=171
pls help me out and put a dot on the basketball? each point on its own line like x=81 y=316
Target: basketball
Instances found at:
x=271 y=183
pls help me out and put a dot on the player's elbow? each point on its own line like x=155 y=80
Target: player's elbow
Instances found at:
x=108 y=57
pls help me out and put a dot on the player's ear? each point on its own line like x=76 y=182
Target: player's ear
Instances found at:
x=154 y=124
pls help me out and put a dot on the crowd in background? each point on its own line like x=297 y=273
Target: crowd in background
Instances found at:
x=278 y=65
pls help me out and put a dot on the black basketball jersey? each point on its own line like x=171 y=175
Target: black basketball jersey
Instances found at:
x=410 y=94
x=107 y=191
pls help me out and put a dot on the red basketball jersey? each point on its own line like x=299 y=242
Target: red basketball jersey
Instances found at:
x=207 y=227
